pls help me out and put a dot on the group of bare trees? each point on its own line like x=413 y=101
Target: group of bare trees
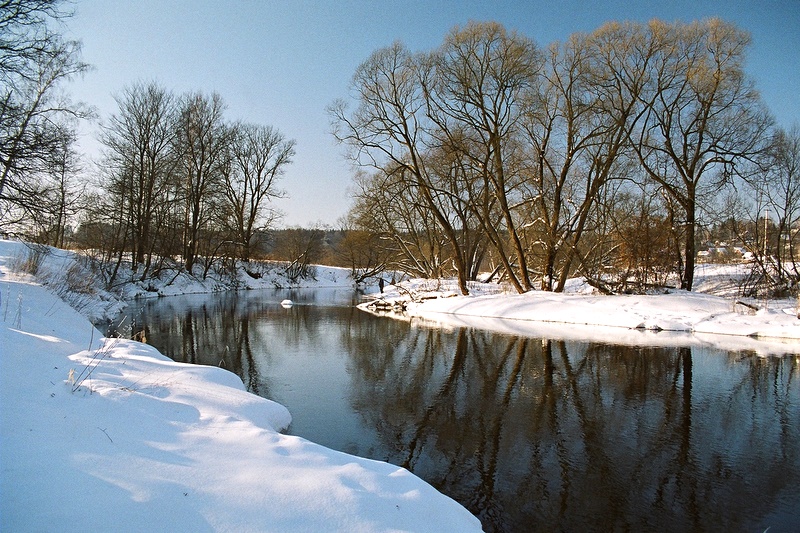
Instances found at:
x=38 y=161
x=765 y=212
x=176 y=180
x=180 y=181
x=597 y=155
x=601 y=156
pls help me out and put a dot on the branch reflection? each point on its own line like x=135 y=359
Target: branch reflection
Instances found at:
x=570 y=434
x=529 y=434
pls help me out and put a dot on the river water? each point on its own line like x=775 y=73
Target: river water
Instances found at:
x=529 y=434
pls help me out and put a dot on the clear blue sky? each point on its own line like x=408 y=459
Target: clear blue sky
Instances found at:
x=283 y=62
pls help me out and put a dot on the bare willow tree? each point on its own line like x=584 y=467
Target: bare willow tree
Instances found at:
x=258 y=158
x=389 y=132
x=462 y=195
x=577 y=126
x=35 y=115
x=405 y=232
x=476 y=87
x=703 y=118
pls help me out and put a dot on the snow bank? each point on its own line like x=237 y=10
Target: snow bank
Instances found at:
x=106 y=434
x=77 y=280
x=674 y=318
x=255 y=275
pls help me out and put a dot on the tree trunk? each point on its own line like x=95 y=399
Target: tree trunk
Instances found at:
x=689 y=248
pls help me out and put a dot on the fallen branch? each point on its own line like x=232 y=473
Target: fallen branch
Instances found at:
x=749 y=306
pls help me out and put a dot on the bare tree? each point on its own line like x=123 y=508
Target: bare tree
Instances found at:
x=390 y=132
x=642 y=251
x=259 y=155
x=577 y=128
x=462 y=196
x=476 y=86
x=361 y=250
x=301 y=249
x=773 y=191
x=34 y=64
x=25 y=35
x=64 y=201
x=784 y=196
x=140 y=158
x=388 y=206
x=703 y=118
x=202 y=142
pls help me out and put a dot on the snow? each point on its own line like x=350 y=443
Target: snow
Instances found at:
x=669 y=319
x=261 y=276
x=108 y=434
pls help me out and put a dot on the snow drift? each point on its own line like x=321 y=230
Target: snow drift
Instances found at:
x=108 y=434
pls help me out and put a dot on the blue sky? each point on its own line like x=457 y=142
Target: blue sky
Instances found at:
x=283 y=62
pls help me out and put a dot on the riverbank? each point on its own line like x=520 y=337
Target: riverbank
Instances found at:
x=108 y=434
x=84 y=285
x=103 y=434
x=712 y=315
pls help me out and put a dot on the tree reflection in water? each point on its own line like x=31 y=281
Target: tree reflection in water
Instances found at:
x=529 y=434
x=539 y=435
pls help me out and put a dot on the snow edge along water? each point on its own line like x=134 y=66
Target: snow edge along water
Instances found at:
x=109 y=434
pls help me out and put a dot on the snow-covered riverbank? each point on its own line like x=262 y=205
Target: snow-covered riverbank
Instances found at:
x=110 y=435
x=669 y=319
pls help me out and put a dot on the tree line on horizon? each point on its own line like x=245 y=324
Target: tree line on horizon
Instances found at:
x=610 y=155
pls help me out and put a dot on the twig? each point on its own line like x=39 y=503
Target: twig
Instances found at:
x=98 y=357
x=106 y=434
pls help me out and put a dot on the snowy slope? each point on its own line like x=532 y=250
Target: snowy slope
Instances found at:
x=110 y=435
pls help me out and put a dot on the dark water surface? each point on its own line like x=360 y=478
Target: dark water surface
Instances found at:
x=529 y=434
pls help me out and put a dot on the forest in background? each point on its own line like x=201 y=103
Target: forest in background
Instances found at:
x=617 y=155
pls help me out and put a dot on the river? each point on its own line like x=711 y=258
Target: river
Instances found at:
x=529 y=434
